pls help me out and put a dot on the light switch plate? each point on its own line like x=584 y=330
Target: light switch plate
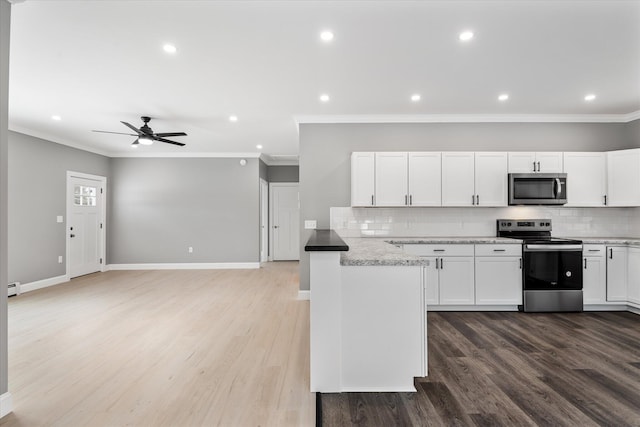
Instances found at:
x=310 y=224
x=59 y=219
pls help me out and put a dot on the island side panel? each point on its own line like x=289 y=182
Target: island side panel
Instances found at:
x=383 y=328
x=325 y=321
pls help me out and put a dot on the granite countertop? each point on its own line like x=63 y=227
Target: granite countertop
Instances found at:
x=372 y=251
x=452 y=240
x=383 y=251
x=609 y=241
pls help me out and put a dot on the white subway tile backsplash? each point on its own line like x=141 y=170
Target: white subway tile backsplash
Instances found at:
x=440 y=222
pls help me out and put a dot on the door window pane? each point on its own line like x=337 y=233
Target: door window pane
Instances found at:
x=85 y=196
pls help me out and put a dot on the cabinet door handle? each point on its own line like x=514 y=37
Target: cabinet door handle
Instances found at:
x=372 y=200
x=594 y=250
x=473 y=199
x=585 y=263
x=499 y=250
x=534 y=166
x=477 y=200
x=410 y=199
x=441 y=263
x=610 y=253
x=538 y=166
x=439 y=250
x=436 y=263
x=605 y=200
x=406 y=200
x=520 y=263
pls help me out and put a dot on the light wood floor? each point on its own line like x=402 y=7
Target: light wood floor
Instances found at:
x=163 y=348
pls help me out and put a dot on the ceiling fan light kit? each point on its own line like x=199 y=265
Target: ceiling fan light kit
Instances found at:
x=145 y=134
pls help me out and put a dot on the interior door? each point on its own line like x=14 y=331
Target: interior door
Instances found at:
x=84 y=222
x=264 y=220
x=285 y=221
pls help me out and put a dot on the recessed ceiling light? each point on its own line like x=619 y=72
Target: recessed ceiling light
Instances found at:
x=590 y=97
x=503 y=97
x=324 y=97
x=465 y=36
x=233 y=118
x=415 y=97
x=169 y=48
x=259 y=147
x=326 y=36
x=56 y=118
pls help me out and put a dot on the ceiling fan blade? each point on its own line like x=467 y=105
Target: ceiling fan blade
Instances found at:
x=163 y=134
x=132 y=127
x=117 y=133
x=170 y=142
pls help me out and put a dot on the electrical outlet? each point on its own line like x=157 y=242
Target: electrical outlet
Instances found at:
x=310 y=224
x=190 y=249
x=60 y=259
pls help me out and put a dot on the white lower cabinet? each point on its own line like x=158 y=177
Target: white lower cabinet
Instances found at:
x=594 y=277
x=633 y=275
x=457 y=285
x=450 y=278
x=498 y=280
x=617 y=262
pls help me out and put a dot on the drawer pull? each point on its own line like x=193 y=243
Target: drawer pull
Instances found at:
x=439 y=250
x=594 y=250
x=499 y=250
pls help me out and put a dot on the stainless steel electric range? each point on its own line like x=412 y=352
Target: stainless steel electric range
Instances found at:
x=552 y=267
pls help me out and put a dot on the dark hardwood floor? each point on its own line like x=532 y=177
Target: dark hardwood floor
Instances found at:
x=513 y=369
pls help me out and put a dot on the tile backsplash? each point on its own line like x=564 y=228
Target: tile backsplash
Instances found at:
x=478 y=222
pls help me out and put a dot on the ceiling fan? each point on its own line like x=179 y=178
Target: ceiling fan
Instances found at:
x=145 y=134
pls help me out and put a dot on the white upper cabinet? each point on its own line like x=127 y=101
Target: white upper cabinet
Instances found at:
x=491 y=179
x=458 y=187
x=474 y=179
x=362 y=179
x=391 y=179
x=534 y=162
x=425 y=182
x=623 y=178
x=586 y=178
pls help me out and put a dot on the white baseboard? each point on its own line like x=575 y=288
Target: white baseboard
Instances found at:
x=44 y=283
x=186 y=266
x=605 y=307
x=505 y=307
x=6 y=404
x=304 y=295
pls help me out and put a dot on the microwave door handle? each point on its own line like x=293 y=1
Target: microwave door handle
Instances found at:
x=559 y=186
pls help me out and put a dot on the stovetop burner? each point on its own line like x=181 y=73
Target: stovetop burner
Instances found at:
x=532 y=231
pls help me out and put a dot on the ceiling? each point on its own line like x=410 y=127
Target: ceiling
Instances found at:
x=95 y=63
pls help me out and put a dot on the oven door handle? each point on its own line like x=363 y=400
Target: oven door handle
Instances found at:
x=551 y=248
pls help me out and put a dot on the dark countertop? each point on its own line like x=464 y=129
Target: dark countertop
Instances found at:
x=325 y=240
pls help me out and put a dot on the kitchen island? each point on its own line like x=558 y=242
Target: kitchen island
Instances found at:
x=368 y=315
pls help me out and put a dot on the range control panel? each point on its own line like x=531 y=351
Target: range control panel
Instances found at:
x=524 y=225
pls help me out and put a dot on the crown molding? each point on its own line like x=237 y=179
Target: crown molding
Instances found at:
x=51 y=138
x=467 y=118
x=186 y=155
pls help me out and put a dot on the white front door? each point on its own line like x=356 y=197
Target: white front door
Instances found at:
x=264 y=220
x=285 y=221
x=84 y=225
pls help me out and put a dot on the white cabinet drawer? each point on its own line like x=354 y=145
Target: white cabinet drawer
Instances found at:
x=439 y=250
x=594 y=250
x=499 y=250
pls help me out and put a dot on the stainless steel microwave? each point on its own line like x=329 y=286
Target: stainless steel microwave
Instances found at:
x=537 y=188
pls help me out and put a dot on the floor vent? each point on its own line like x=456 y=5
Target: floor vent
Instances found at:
x=14 y=289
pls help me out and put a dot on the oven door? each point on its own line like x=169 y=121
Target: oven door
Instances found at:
x=552 y=267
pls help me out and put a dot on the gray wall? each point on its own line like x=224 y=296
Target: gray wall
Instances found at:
x=633 y=133
x=162 y=206
x=5 y=21
x=325 y=151
x=283 y=173
x=37 y=194
x=263 y=170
